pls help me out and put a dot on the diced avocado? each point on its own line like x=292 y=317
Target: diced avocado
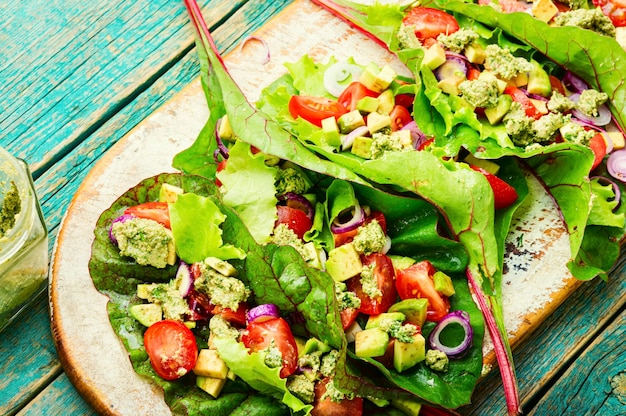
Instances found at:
x=225 y=130
x=485 y=164
x=330 y=132
x=221 y=266
x=386 y=102
x=190 y=324
x=209 y=364
x=371 y=342
x=414 y=310
x=520 y=80
x=343 y=263
x=403 y=137
x=407 y=354
x=362 y=147
x=434 y=56
x=615 y=137
x=408 y=406
x=367 y=104
x=377 y=121
x=211 y=385
x=450 y=85
x=300 y=344
x=169 y=193
x=313 y=257
x=352 y=330
x=490 y=76
x=374 y=320
x=146 y=313
x=144 y=289
x=350 y=121
x=544 y=10
x=368 y=76
x=496 y=114
x=231 y=375
x=314 y=344
x=538 y=80
x=540 y=105
x=475 y=53
x=377 y=80
x=401 y=262
x=443 y=283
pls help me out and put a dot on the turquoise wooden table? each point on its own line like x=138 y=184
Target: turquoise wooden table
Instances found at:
x=77 y=76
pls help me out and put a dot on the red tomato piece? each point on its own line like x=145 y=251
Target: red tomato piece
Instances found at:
x=327 y=407
x=172 y=349
x=353 y=93
x=473 y=73
x=557 y=85
x=220 y=167
x=156 y=211
x=295 y=219
x=235 y=317
x=430 y=23
x=346 y=237
x=405 y=100
x=348 y=316
x=519 y=96
x=503 y=193
x=258 y=336
x=400 y=117
x=315 y=109
x=416 y=281
x=598 y=147
x=384 y=273
x=614 y=9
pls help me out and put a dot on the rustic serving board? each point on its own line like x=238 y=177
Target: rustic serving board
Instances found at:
x=536 y=281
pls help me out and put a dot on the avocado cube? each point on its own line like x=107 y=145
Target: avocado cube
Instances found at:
x=434 y=56
x=407 y=354
x=520 y=80
x=443 y=283
x=369 y=74
x=475 y=53
x=225 y=131
x=401 y=262
x=539 y=81
x=211 y=385
x=404 y=138
x=408 y=406
x=146 y=313
x=414 y=310
x=313 y=255
x=496 y=114
x=330 y=132
x=490 y=76
x=350 y=121
x=374 y=320
x=190 y=324
x=544 y=10
x=485 y=164
x=371 y=342
x=386 y=102
x=314 y=344
x=377 y=121
x=144 y=289
x=362 y=147
x=367 y=104
x=343 y=263
x=384 y=79
x=169 y=193
x=209 y=364
x=450 y=85
x=221 y=266
x=615 y=137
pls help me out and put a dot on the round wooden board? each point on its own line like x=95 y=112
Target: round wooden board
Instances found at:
x=94 y=358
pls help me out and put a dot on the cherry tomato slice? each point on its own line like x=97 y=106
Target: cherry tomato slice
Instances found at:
x=259 y=335
x=556 y=84
x=416 y=282
x=348 y=316
x=353 y=93
x=172 y=349
x=384 y=274
x=314 y=109
x=236 y=317
x=503 y=193
x=400 y=117
x=347 y=236
x=598 y=147
x=295 y=219
x=220 y=167
x=430 y=23
x=405 y=100
x=156 y=211
x=327 y=407
x=614 y=9
x=519 y=96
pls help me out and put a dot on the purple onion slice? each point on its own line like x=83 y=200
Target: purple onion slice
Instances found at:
x=574 y=83
x=456 y=317
x=456 y=65
x=348 y=139
x=355 y=220
x=263 y=313
x=294 y=200
x=121 y=218
x=616 y=165
x=185 y=280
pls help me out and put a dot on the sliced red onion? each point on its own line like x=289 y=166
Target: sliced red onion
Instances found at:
x=603 y=180
x=121 y=218
x=200 y=305
x=294 y=200
x=455 y=317
x=416 y=134
x=263 y=42
x=603 y=118
x=387 y=245
x=185 y=280
x=221 y=148
x=574 y=83
x=455 y=65
x=337 y=74
x=348 y=139
x=263 y=313
x=616 y=165
x=356 y=219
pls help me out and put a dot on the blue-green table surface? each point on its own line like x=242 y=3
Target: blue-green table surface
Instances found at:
x=76 y=76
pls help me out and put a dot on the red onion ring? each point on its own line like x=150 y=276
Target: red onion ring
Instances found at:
x=455 y=63
x=183 y=275
x=263 y=312
x=294 y=200
x=603 y=118
x=348 y=139
x=616 y=165
x=263 y=42
x=573 y=83
x=356 y=220
x=416 y=134
x=603 y=180
x=455 y=317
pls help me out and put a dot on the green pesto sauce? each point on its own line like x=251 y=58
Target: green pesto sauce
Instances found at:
x=11 y=207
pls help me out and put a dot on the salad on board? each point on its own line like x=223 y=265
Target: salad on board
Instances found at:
x=323 y=279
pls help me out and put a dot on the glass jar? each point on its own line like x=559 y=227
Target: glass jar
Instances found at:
x=23 y=240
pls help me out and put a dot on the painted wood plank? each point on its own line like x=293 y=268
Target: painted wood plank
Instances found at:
x=64 y=399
